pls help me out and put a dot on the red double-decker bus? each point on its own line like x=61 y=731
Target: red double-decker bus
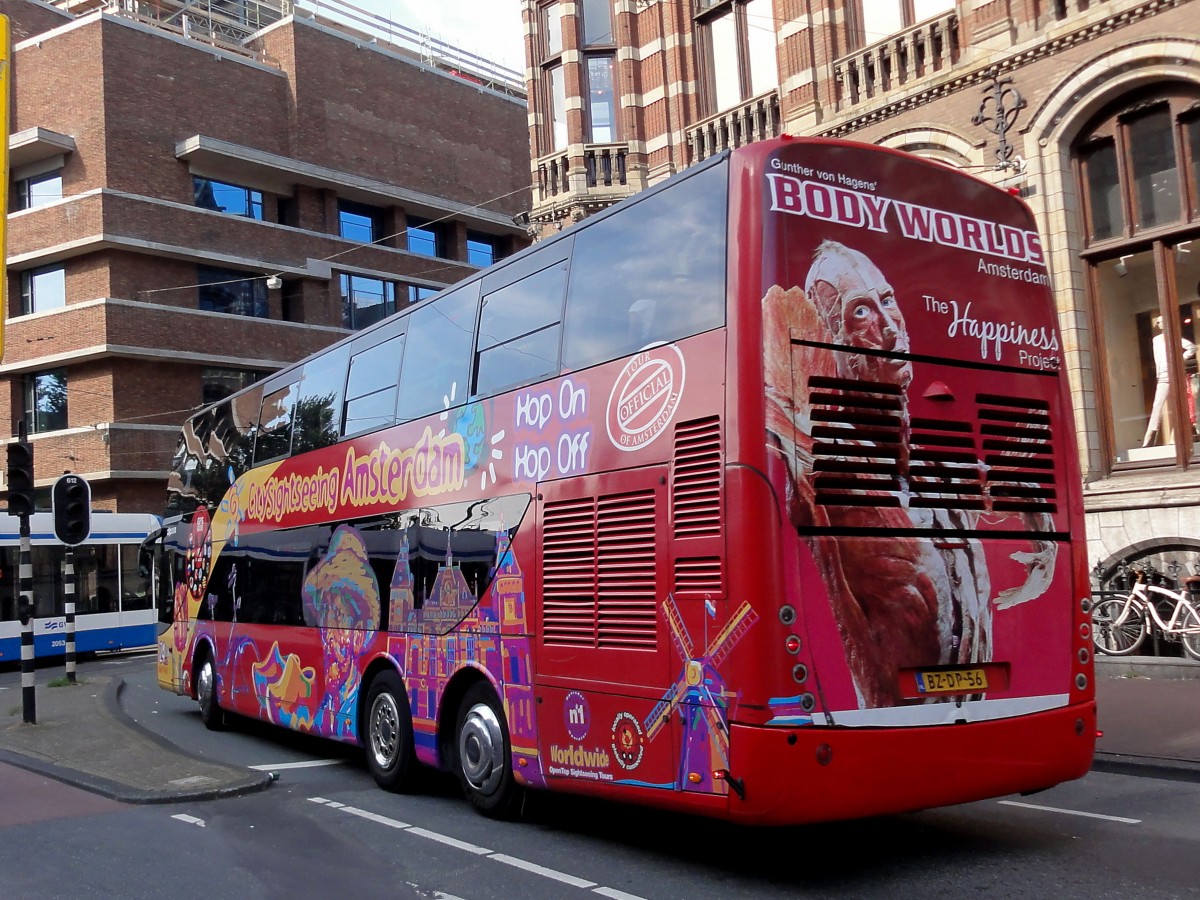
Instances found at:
x=755 y=496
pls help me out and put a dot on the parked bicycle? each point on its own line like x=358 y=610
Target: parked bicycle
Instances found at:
x=1120 y=624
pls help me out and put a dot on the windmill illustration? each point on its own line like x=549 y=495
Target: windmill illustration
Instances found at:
x=700 y=698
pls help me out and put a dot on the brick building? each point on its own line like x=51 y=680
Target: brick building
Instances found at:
x=1090 y=107
x=200 y=198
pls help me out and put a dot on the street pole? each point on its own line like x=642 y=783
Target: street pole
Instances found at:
x=69 y=605
x=25 y=613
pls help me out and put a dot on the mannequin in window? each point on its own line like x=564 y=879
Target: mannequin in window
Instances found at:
x=1162 y=380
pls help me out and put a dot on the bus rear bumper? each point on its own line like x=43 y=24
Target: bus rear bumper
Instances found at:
x=796 y=775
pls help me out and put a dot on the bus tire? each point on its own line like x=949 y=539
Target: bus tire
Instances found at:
x=211 y=713
x=389 y=733
x=483 y=754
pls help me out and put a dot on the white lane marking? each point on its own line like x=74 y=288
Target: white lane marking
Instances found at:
x=1071 y=812
x=450 y=842
x=303 y=764
x=543 y=871
x=513 y=861
x=375 y=817
x=191 y=820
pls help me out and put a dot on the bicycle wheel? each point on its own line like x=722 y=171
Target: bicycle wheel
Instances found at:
x=1189 y=621
x=1114 y=635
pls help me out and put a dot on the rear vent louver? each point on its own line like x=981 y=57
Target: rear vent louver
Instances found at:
x=599 y=572
x=696 y=481
x=864 y=453
x=1018 y=448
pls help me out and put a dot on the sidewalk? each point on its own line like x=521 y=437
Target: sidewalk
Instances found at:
x=1148 y=710
x=1149 y=713
x=84 y=738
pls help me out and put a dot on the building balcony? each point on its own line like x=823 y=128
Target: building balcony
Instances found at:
x=600 y=175
x=931 y=47
x=755 y=120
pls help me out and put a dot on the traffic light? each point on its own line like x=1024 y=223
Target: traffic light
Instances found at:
x=20 y=478
x=71 y=500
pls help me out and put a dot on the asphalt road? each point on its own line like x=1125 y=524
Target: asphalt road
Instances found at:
x=324 y=829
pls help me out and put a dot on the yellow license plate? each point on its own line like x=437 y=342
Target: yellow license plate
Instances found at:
x=958 y=681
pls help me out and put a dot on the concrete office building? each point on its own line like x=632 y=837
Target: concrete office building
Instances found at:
x=200 y=196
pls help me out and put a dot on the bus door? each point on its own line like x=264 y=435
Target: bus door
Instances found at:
x=607 y=665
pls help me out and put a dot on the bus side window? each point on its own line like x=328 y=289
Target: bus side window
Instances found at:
x=519 y=326
x=319 y=402
x=652 y=272
x=373 y=378
x=438 y=355
x=274 y=437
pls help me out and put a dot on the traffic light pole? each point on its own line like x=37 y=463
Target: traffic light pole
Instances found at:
x=25 y=613
x=69 y=609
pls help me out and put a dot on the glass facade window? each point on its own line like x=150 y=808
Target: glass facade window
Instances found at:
x=601 y=99
x=1155 y=170
x=227 y=198
x=359 y=222
x=43 y=289
x=417 y=292
x=230 y=292
x=597 y=22
x=1106 y=217
x=37 y=190
x=366 y=300
x=46 y=401
x=552 y=43
x=739 y=52
x=425 y=238
x=558 y=108
x=481 y=249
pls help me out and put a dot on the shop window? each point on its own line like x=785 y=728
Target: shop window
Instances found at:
x=1143 y=250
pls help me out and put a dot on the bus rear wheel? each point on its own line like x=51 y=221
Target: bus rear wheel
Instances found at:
x=483 y=754
x=389 y=737
x=211 y=713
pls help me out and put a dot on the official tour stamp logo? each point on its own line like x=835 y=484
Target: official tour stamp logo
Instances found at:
x=644 y=397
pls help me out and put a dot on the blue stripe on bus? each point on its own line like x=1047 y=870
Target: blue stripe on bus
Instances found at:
x=118 y=638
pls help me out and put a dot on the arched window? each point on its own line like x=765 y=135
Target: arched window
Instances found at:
x=1137 y=164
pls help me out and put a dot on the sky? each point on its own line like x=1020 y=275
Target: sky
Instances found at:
x=488 y=28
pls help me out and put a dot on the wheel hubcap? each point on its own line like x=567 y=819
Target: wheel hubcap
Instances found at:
x=384 y=730
x=204 y=686
x=481 y=749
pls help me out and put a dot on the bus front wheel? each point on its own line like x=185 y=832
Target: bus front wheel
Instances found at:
x=483 y=754
x=389 y=737
x=211 y=713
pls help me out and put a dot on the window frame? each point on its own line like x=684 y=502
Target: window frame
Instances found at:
x=704 y=16
x=22 y=190
x=389 y=304
x=29 y=392
x=252 y=197
x=1111 y=127
x=29 y=291
x=257 y=291
x=373 y=216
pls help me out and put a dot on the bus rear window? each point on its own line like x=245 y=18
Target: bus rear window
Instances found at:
x=655 y=273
